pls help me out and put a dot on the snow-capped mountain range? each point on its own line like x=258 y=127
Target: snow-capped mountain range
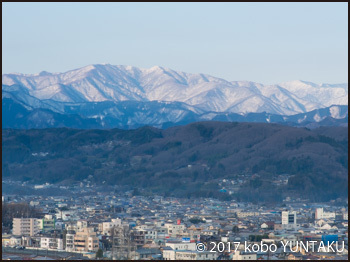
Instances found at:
x=100 y=91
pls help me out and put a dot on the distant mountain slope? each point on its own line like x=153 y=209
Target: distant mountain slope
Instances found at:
x=96 y=83
x=14 y=115
x=134 y=114
x=188 y=160
x=117 y=92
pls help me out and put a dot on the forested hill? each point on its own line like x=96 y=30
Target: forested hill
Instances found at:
x=189 y=160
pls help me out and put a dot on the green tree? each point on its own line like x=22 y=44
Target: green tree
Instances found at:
x=64 y=208
x=235 y=229
x=99 y=253
x=196 y=220
x=17 y=210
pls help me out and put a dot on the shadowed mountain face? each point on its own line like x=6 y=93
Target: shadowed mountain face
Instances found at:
x=129 y=97
x=189 y=160
x=133 y=114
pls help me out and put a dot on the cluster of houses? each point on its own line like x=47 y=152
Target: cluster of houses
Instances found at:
x=123 y=226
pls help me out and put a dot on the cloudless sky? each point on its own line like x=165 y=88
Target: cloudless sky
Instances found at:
x=262 y=42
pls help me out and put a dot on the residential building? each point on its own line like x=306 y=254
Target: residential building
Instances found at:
x=195 y=255
x=86 y=240
x=147 y=253
x=47 y=224
x=289 y=219
x=247 y=214
x=5 y=239
x=106 y=227
x=81 y=224
x=177 y=245
x=320 y=214
x=241 y=255
x=25 y=226
x=345 y=215
x=175 y=229
x=15 y=241
x=139 y=237
x=54 y=243
x=70 y=240
x=183 y=254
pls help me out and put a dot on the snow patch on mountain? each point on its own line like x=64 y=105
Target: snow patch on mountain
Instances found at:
x=105 y=82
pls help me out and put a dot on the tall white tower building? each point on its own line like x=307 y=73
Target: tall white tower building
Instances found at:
x=289 y=219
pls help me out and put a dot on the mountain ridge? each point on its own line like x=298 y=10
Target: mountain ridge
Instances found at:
x=119 y=83
x=132 y=114
x=198 y=93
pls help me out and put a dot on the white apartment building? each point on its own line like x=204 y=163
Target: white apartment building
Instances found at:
x=181 y=245
x=151 y=234
x=345 y=216
x=106 y=227
x=15 y=241
x=81 y=224
x=175 y=229
x=66 y=215
x=320 y=214
x=51 y=243
x=243 y=214
x=240 y=255
x=70 y=240
x=289 y=219
x=195 y=255
x=168 y=253
x=171 y=254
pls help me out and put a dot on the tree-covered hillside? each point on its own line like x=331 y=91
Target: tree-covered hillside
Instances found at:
x=189 y=160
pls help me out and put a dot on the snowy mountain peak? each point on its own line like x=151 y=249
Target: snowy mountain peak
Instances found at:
x=88 y=68
x=115 y=83
x=298 y=83
x=156 y=68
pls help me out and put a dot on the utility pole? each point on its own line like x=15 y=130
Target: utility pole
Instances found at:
x=113 y=241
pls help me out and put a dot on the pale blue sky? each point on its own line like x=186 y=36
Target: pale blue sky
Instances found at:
x=261 y=42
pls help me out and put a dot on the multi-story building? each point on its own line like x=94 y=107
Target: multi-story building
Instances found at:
x=106 y=227
x=320 y=214
x=54 y=243
x=241 y=255
x=175 y=229
x=86 y=240
x=183 y=254
x=289 y=219
x=47 y=224
x=25 y=226
x=66 y=215
x=178 y=245
x=345 y=216
x=243 y=214
x=15 y=241
x=81 y=224
x=195 y=255
x=70 y=239
x=138 y=236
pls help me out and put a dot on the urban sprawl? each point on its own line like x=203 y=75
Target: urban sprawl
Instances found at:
x=101 y=224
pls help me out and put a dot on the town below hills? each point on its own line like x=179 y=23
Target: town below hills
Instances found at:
x=225 y=160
